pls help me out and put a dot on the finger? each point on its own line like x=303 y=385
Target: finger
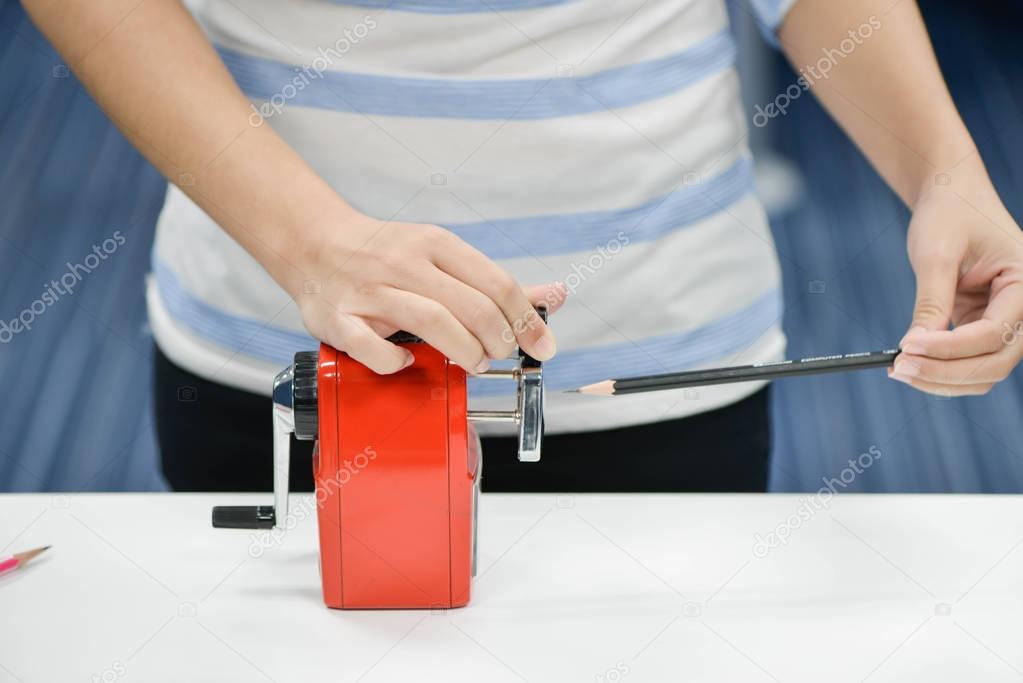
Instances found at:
x=969 y=316
x=473 y=309
x=436 y=325
x=946 y=390
x=354 y=336
x=1006 y=309
x=552 y=295
x=1006 y=303
x=382 y=328
x=968 y=308
x=984 y=369
x=936 y=280
x=465 y=263
x=978 y=338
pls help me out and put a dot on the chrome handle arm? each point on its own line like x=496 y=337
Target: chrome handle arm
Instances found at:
x=284 y=427
x=264 y=516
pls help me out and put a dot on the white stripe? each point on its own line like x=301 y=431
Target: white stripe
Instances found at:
x=596 y=162
x=552 y=234
x=589 y=35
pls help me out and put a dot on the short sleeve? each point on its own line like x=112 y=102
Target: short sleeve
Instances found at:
x=769 y=15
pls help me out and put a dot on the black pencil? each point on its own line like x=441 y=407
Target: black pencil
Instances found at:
x=742 y=373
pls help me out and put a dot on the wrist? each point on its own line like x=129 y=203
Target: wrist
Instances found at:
x=954 y=165
x=966 y=179
x=302 y=248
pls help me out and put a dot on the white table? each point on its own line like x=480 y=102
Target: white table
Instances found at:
x=572 y=588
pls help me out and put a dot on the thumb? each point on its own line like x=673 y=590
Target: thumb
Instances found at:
x=936 y=281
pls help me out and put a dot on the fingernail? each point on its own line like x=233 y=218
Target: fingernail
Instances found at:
x=546 y=347
x=900 y=378
x=906 y=368
x=483 y=366
x=914 y=349
x=409 y=360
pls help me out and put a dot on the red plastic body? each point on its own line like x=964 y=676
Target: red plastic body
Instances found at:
x=394 y=483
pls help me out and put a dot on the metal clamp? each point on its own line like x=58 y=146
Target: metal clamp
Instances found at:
x=528 y=413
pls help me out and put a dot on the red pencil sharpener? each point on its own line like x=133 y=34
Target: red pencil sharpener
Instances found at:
x=397 y=468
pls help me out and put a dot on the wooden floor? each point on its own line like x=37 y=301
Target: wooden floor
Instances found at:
x=75 y=388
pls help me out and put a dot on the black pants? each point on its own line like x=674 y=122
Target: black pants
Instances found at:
x=216 y=438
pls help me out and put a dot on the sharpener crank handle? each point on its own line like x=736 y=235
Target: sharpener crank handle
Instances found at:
x=265 y=516
x=284 y=427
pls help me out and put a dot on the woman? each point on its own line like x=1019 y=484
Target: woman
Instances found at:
x=342 y=170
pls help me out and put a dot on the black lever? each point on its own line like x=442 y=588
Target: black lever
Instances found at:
x=243 y=517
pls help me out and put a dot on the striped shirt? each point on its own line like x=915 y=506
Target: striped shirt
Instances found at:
x=597 y=143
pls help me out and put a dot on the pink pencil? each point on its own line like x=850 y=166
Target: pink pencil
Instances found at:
x=19 y=559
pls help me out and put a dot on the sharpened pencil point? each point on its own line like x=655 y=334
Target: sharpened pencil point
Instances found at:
x=605 y=388
x=27 y=555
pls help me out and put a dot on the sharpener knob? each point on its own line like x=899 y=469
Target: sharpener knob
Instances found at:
x=304 y=395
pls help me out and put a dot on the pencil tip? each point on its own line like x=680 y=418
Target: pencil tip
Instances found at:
x=29 y=554
x=570 y=391
x=605 y=388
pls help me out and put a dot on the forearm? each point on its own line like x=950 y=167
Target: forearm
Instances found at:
x=151 y=69
x=887 y=92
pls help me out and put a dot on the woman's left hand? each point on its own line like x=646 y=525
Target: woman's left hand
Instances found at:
x=967 y=254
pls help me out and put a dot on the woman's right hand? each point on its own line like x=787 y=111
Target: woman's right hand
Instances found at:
x=360 y=282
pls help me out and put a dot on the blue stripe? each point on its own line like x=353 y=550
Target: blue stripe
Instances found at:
x=242 y=335
x=667 y=353
x=574 y=232
x=520 y=99
x=452 y=6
